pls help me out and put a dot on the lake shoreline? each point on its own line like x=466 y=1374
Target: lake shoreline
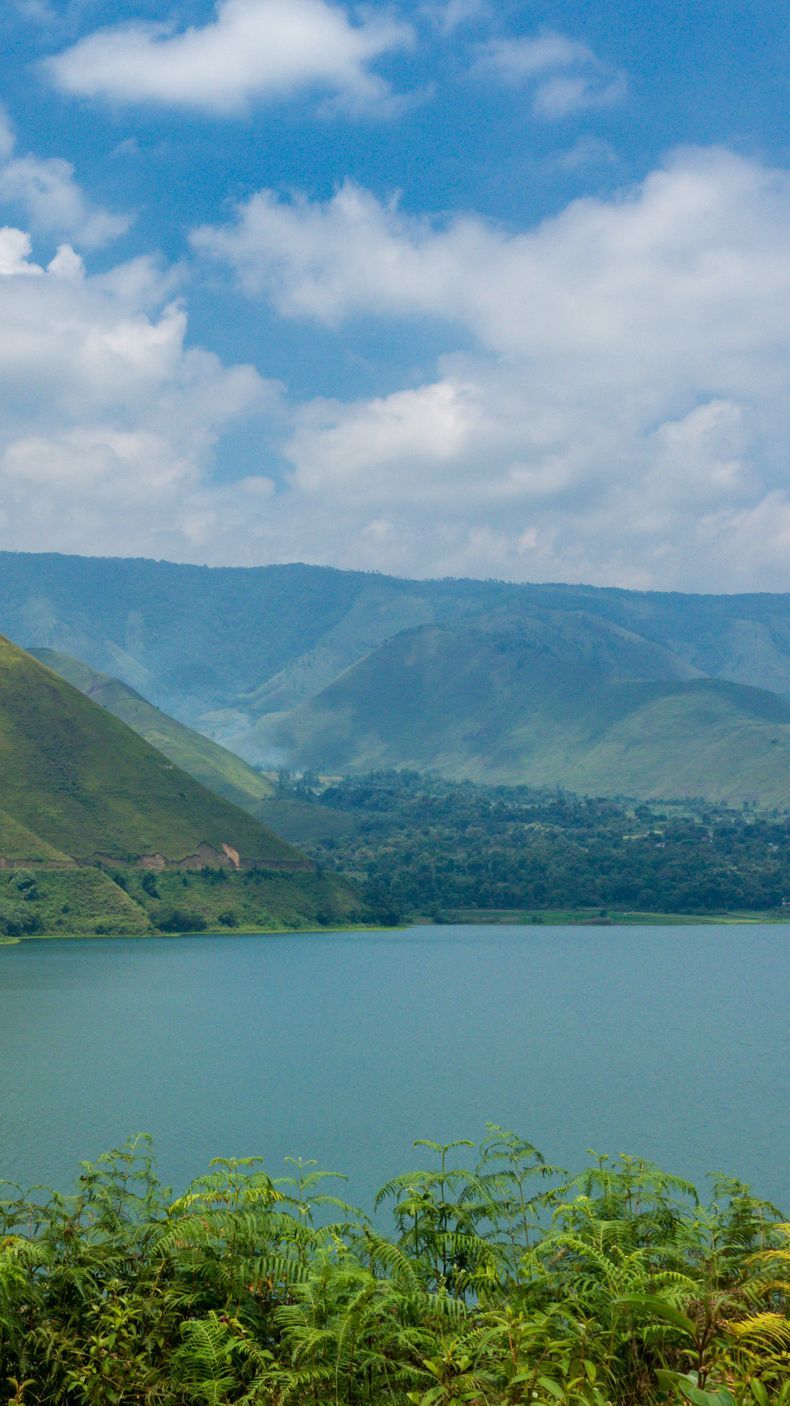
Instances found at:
x=461 y=918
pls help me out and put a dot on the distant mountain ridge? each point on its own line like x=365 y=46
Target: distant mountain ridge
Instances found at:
x=488 y=707
x=259 y=658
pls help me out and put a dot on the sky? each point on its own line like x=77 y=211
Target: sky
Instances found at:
x=431 y=288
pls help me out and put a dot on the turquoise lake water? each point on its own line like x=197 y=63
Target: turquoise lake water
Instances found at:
x=670 y=1043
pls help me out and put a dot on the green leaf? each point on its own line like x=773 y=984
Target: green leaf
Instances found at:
x=660 y=1308
x=552 y=1388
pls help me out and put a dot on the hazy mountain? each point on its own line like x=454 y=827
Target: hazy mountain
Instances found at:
x=233 y=643
x=298 y=665
x=490 y=706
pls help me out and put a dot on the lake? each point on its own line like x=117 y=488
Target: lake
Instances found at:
x=670 y=1043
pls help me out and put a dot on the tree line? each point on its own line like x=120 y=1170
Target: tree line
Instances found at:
x=420 y=844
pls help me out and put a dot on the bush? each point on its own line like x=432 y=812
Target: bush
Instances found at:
x=27 y=885
x=19 y=922
x=181 y=920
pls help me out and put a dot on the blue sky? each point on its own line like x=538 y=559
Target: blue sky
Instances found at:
x=436 y=288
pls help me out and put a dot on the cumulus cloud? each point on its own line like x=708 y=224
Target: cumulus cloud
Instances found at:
x=108 y=418
x=622 y=417
x=610 y=405
x=253 y=50
x=565 y=76
x=46 y=192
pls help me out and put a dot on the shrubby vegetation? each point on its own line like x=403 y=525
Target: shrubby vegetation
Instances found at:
x=423 y=845
x=503 y=1281
x=133 y=902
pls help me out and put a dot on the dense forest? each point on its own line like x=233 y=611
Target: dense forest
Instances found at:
x=421 y=845
x=503 y=1281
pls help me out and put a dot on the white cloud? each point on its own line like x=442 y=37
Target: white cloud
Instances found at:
x=108 y=419
x=45 y=191
x=622 y=418
x=15 y=249
x=254 y=50
x=617 y=413
x=565 y=76
x=636 y=277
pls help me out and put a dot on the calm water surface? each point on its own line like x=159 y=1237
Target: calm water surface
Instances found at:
x=667 y=1042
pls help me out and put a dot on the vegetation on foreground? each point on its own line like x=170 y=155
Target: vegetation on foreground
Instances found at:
x=503 y=1281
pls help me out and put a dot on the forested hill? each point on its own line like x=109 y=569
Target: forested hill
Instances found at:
x=423 y=846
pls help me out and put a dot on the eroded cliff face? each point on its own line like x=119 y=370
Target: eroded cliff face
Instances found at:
x=205 y=856
x=225 y=857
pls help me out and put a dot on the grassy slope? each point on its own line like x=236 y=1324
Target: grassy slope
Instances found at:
x=86 y=784
x=213 y=766
x=468 y=703
x=256 y=900
x=73 y=903
x=89 y=902
x=20 y=843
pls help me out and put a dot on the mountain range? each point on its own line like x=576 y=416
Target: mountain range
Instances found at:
x=595 y=689
x=490 y=707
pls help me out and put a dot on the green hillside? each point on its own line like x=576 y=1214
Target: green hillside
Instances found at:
x=87 y=901
x=16 y=840
x=491 y=707
x=291 y=666
x=82 y=782
x=213 y=766
x=220 y=647
x=79 y=787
